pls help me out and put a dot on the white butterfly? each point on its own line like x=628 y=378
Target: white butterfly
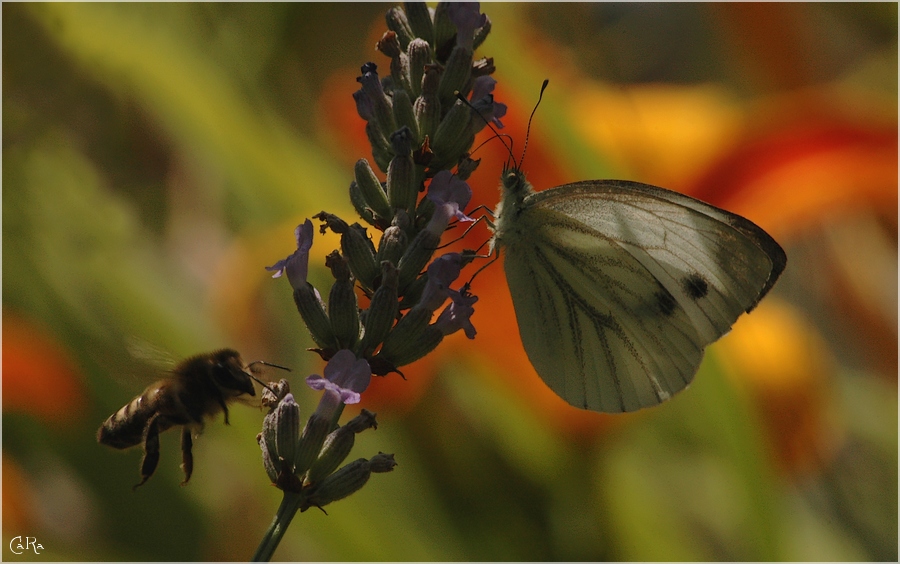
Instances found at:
x=619 y=286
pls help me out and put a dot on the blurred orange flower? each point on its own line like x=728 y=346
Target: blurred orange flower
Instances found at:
x=782 y=363
x=40 y=378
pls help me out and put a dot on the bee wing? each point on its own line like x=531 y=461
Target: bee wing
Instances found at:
x=148 y=353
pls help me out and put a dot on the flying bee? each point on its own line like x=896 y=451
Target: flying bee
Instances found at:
x=199 y=387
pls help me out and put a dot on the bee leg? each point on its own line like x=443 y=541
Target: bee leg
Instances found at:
x=187 y=457
x=225 y=409
x=151 y=451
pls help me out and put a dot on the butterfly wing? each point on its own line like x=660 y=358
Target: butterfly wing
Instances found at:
x=619 y=286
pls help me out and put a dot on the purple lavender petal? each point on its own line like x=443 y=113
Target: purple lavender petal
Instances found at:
x=296 y=266
x=456 y=315
x=441 y=273
x=467 y=18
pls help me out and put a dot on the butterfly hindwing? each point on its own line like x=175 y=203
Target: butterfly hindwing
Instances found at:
x=591 y=332
x=618 y=288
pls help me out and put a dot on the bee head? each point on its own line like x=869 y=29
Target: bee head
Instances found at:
x=228 y=372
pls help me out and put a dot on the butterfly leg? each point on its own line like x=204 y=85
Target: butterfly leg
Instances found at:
x=469 y=228
x=493 y=256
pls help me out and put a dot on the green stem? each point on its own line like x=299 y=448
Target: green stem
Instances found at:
x=290 y=503
x=289 y=506
x=337 y=416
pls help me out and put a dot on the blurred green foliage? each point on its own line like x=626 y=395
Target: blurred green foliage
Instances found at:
x=150 y=150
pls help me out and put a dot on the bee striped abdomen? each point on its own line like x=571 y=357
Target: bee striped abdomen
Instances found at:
x=126 y=427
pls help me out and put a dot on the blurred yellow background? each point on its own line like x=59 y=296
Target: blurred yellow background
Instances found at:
x=157 y=156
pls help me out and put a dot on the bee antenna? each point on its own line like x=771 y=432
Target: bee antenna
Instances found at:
x=261 y=383
x=268 y=364
x=531 y=117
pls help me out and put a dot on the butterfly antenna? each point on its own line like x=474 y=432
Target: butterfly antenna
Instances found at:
x=501 y=136
x=531 y=117
x=485 y=142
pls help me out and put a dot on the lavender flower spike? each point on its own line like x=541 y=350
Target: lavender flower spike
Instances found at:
x=297 y=264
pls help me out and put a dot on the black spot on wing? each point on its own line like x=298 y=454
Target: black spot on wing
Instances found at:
x=665 y=301
x=695 y=286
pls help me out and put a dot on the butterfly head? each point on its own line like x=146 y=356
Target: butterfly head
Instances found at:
x=514 y=189
x=514 y=184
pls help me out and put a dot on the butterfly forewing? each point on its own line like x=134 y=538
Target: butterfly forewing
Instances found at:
x=618 y=287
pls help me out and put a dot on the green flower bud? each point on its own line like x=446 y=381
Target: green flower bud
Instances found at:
x=271 y=468
x=419 y=19
x=390 y=46
x=372 y=191
x=427 y=107
x=336 y=448
x=312 y=310
x=413 y=292
x=360 y=253
x=286 y=420
x=365 y=420
x=340 y=270
x=356 y=247
x=278 y=439
x=424 y=211
x=382 y=310
x=361 y=207
x=338 y=445
x=381 y=147
x=397 y=22
x=380 y=104
x=452 y=138
x=310 y=444
x=348 y=480
x=419 y=54
x=401 y=176
x=425 y=342
x=411 y=339
x=394 y=240
x=457 y=76
x=444 y=33
x=416 y=257
x=405 y=116
x=267 y=440
x=343 y=309
x=381 y=463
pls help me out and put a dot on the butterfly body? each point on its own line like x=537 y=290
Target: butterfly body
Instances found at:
x=619 y=286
